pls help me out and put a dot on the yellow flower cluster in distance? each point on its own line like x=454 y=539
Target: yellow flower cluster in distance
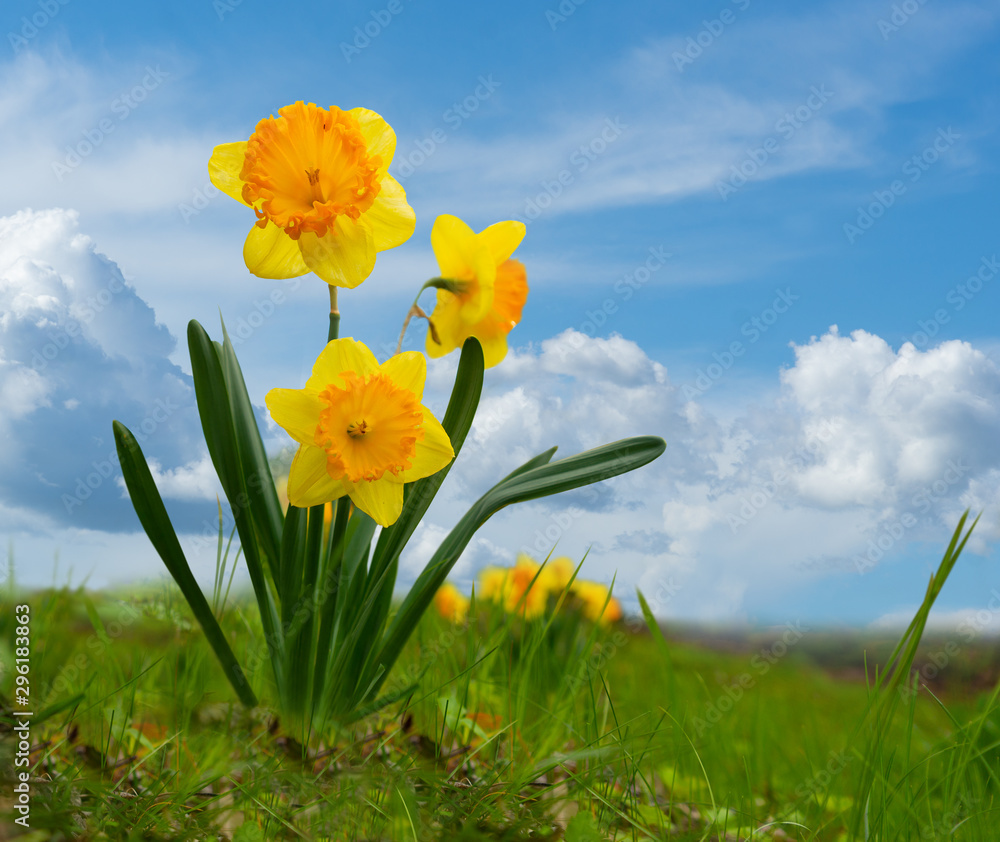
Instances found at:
x=527 y=588
x=451 y=603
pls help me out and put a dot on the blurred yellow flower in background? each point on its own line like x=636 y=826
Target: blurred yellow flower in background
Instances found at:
x=492 y=581
x=513 y=589
x=557 y=573
x=528 y=589
x=526 y=593
x=451 y=603
x=317 y=180
x=493 y=287
x=598 y=605
x=362 y=430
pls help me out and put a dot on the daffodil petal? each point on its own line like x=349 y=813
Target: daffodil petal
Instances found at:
x=391 y=217
x=454 y=245
x=309 y=483
x=378 y=134
x=462 y=255
x=345 y=256
x=338 y=356
x=494 y=348
x=446 y=320
x=433 y=452
x=408 y=371
x=381 y=500
x=270 y=253
x=224 y=169
x=502 y=238
x=296 y=410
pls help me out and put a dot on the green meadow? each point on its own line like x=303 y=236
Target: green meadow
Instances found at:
x=553 y=728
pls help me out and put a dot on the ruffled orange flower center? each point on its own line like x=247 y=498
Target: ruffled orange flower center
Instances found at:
x=367 y=427
x=308 y=166
x=509 y=294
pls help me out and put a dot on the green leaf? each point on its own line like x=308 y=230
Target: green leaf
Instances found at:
x=534 y=462
x=154 y=519
x=257 y=480
x=52 y=710
x=327 y=585
x=215 y=410
x=661 y=641
x=523 y=484
x=381 y=702
x=351 y=612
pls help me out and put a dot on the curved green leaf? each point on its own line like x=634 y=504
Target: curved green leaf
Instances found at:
x=156 y=522
x=261 y=492
x=214 y=409
x=525 y=483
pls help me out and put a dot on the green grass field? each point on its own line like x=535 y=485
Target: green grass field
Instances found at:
x=550 y=729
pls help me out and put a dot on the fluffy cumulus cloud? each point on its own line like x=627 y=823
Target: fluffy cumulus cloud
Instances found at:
x=902 y=437
x=865 y=451
x=574 y=392
x=78 y=348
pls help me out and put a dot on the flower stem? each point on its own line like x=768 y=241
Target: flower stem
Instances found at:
x=413 y=311
x=334 y=315
x=438 y=283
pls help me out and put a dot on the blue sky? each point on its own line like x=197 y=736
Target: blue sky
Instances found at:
x=739 y=214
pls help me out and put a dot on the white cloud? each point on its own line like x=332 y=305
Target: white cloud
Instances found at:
x=72 y=136
x=901 y=422
x=194 y=481
x=80 y=348
x=858 y=437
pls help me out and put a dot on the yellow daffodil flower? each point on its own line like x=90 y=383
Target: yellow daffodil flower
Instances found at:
x=597 y=605
x=362 y=430
x=492 y=581
x=317 y=180
x=451 y=603
x=513 y=587
x=492 y=287
x=556 y=574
